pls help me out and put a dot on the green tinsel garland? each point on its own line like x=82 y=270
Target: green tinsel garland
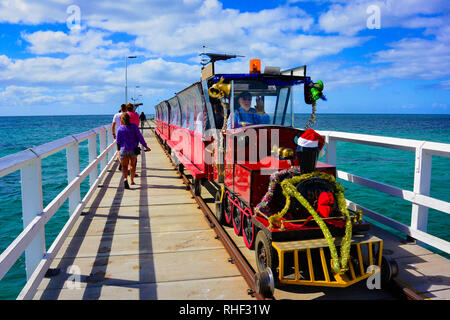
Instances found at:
x=289 y=190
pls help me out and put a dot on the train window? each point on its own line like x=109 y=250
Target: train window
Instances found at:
x=280 y=117
x=198 y=122
x=200 y=112
x=164 y=109
x=218 y=113
x=192 y=107
x=175 y=113
x=191 y=112
x=257 y=103
x=167 y=112
x=213 y=109
x=184 y=110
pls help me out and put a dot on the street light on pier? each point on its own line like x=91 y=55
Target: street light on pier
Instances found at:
x=126 y=76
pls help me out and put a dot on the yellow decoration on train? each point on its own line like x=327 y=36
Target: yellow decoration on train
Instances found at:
x=339 y=266
x=220 y=89
x=287 y=152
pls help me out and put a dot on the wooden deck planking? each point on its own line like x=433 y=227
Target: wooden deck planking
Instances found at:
x=150 y=242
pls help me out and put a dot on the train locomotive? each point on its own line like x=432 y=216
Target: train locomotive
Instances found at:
x=236 y=132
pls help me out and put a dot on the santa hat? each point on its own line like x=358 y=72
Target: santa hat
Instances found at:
x=311 y=139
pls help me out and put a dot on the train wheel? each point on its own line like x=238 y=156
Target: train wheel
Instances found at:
x=219 y=213
x=265 y=254
x=389 y=270
x=228 y=207
x=248 y=229
x=237 y=217
x=265 y=283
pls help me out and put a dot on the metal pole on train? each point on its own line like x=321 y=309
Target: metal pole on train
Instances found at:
x=126 y=76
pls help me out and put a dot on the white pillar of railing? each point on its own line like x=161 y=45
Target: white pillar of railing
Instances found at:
x=110 y=140
x=31 y=185
x=331 y=156
x=92 y=147
x=422 y=179
x=73 y=170
x=102 y=148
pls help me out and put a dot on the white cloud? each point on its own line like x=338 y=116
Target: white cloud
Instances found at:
x=33 y=12
x=4 y=61
x=209 y=7
x=75 y=80
x=90 y=64
x=20 y=96
x=91 y=43
x=73 y=70
x=158 y=73
x=180 y=28
x=416 y=58
x=350 y=17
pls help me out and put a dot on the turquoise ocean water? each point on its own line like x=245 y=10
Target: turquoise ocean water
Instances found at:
x=393 y=167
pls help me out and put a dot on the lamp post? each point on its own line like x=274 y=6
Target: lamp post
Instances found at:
x=126 y=76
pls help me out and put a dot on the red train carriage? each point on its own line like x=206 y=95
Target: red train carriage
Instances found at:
x=237 y=132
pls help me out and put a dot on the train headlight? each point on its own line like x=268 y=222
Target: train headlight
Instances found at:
x=287 y=153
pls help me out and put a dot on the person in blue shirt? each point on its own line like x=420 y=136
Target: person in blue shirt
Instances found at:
x=245 y=115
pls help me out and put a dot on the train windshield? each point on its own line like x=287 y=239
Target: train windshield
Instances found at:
x=259 y=103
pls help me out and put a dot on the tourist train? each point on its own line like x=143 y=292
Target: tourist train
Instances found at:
x=236 y=132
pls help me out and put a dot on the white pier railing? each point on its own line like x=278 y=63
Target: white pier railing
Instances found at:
x=32 y=238
x=418 y=196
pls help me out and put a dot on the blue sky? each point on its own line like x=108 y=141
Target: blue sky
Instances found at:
x=374 y=56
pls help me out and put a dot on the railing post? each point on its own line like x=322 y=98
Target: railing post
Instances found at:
x=330 y=157
x=103 y=162
x=31 y=185
x=73 y=170
x=110 y=140
x=92 y=147
x=422 y=179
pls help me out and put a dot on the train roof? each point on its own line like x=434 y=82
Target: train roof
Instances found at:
x=271 y=79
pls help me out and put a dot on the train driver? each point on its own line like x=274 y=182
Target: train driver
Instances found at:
x=244 y=114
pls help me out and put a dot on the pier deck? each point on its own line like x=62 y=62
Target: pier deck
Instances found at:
x=149 y=242
x=152 y=242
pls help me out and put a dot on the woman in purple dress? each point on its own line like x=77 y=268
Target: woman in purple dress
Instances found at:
x=128 y=137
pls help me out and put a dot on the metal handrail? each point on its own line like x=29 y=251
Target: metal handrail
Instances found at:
x=419 y=196
x=32 y=239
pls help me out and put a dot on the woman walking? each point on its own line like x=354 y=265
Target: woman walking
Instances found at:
x=128 y=137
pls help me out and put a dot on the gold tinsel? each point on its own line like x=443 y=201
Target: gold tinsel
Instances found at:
x=288 y=186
